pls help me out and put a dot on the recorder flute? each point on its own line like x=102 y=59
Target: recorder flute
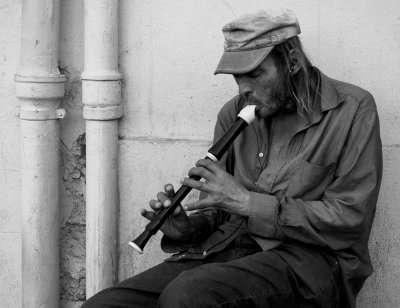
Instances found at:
x=215 y=153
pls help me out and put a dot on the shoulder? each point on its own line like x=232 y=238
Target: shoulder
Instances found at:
x=352 y=94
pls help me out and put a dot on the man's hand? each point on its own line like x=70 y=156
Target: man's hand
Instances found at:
x=177 y=226
x=223 y=190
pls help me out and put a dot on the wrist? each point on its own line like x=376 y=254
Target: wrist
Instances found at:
x=245 y=202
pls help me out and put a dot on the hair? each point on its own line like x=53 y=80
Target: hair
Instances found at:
x=302 y=84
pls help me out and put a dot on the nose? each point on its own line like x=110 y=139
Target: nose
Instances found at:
x=245 y=86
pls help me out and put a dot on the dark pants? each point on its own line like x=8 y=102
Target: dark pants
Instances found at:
x=235 y=277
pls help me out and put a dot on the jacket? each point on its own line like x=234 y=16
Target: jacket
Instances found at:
x=324 y=196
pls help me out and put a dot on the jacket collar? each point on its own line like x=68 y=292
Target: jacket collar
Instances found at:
x=326 y=98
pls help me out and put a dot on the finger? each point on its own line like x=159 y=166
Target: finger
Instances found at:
x=201 y=204
x=155 y=205
x=200 y=171
x=169 y=190
x=201 y=186
x=162 y=197
x=208 y=164
x=147 y=214
x=177 y=211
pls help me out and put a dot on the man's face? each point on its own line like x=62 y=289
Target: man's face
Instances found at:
x=264 y=87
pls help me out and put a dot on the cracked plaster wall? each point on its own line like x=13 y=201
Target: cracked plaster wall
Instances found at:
x=72 y=232
x=73 y=160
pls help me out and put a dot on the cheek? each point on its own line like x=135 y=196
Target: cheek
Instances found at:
x=268 y=83
x=263 y=91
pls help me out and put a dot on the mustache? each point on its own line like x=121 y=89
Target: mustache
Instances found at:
x=249 y=99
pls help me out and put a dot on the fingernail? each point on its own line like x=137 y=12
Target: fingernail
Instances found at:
x=182 y=179
x=167 y=203
x=185 y=207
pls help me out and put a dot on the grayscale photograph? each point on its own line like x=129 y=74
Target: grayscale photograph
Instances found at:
x=199 y=154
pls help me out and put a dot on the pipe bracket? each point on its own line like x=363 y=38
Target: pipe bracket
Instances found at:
x=40 y=114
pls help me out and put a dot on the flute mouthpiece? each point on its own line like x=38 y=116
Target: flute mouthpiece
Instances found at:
x=248 y=113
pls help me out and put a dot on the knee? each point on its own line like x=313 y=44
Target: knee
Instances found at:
x=94 y=301
x=90 y=303
x=183 y=291
x=103 y=299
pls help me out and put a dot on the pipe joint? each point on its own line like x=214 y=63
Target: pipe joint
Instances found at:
x=102 y=113
x=106 y=75
x=40 y=88
x=102 y=99
x=40 y=97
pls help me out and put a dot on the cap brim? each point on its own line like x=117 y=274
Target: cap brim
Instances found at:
x=241 y=62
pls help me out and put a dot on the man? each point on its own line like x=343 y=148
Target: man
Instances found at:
x=283 y=219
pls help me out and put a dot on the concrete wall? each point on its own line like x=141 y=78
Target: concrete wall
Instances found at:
x=10 y=227
x=168 y=52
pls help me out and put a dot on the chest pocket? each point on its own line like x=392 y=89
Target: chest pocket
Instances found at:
x=309 y=181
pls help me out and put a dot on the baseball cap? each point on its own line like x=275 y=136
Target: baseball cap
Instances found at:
x=251 y=37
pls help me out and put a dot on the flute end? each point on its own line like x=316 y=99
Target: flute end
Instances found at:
x=136 y=247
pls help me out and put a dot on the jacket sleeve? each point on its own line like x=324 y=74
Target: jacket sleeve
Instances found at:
x=345 y=212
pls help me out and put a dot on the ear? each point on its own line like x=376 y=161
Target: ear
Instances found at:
x=294 y=64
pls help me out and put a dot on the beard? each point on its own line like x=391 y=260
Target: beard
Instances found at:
x=279 y=100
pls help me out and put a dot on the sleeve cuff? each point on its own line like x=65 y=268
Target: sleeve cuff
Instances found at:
x=263 y=215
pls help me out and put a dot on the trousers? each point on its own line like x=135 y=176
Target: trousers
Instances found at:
x=238 y=276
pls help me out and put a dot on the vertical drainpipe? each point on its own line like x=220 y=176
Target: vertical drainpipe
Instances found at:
x=40 y=88
x=101 y=96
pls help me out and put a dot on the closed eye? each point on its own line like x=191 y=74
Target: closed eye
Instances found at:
x=255 y=73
